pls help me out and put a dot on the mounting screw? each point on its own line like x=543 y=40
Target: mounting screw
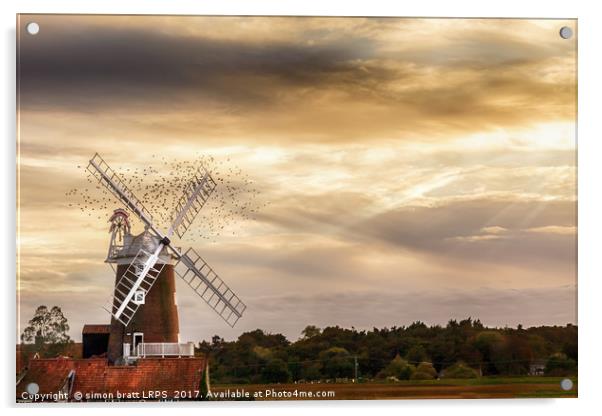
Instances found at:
x=566 y=384
x=32 y=28
x=165 y=241
x=566 y=32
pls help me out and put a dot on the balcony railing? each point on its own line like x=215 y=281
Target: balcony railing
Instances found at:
x=114 y=250
x=158 y=349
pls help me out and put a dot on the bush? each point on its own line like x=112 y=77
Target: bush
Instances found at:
x=312 y=372
x=336 y=363
x=276 y=371
x=398 y=368
x=424 y=371
x=419 y=375
x=560 y=365
x=459 y=370
x=416 y=354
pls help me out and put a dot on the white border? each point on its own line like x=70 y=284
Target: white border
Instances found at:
x=590 y=170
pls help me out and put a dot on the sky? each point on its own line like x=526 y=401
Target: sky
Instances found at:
x=413 y=169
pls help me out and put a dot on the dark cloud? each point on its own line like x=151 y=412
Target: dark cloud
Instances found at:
x=294 y=263
x=347 y=86
x=482 y=234
x=455 y=229
x=74 y=63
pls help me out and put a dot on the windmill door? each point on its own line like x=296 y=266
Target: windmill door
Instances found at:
x=138 y=344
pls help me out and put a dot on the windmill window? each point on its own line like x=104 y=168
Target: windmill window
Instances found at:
x=139 y=296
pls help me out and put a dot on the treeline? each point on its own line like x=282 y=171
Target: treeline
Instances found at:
x=461 y=349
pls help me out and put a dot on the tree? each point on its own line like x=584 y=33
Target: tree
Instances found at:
x=47 y=327
x=329 y=352
x=571 y=350
x=489 y=343
x=424 y=371
x=216 y=342
x=312 y=372
x=560 y=365
x=336 y=363
x=310 y=331
x=261 y=352
x=275 y=371
x=258 y=337
x=398 y=368
x=513 y=356
x=416 y=354
x=459 y=370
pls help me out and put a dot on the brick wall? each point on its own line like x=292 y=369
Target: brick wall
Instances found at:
x=157 y=319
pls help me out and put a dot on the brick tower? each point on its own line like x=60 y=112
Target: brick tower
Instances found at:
x=156 y=321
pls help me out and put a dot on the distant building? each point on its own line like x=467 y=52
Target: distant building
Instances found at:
x=537 y=368
x=95 y=340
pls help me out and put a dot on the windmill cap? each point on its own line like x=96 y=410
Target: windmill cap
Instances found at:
x=145 y=241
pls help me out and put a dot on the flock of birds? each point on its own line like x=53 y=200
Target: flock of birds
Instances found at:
x=161 y=186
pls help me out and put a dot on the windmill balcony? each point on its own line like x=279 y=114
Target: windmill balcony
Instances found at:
x=114 y=250
x=158 y=349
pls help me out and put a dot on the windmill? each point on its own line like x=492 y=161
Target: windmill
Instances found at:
x=144 y=259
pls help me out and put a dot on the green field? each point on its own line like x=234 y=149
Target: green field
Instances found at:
x=483 y=387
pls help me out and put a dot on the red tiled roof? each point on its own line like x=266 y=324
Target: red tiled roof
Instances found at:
x=26 y=351
x=94 y=375
x=90 y=375
x=96 y=329
x=157 y=374
x=49 y=374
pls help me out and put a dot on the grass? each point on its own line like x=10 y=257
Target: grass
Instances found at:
x=545 y=394
x=483 y=381
x=480 y=381
x=482 y=387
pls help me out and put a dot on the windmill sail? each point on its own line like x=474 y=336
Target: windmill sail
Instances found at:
x=208 y=285
x=195 y=195
x=122 y=305
x=111 y=180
